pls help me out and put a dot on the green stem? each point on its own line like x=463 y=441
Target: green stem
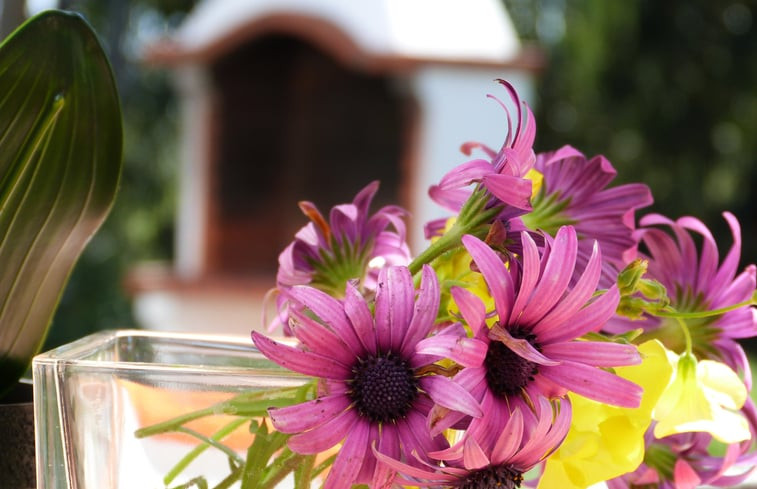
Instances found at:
x=473 y=219
x=672 y=313
x=174 y=424
x=324 y=465
x=214 y=443
x=245 y=404
x=303 y=475
x=286 y=467
x=230 y=479
x=686 y=334
x=198 y=450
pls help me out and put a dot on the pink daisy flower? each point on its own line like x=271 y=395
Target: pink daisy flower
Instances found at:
x=573 y=192
x=531 y=350
x=374 y=389
x=695 y=282
x=520 y=442
x=351 y=245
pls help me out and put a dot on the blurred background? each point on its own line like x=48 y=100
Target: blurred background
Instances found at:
x=666 y=90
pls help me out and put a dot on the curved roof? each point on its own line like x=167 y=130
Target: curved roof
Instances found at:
x=361 y=32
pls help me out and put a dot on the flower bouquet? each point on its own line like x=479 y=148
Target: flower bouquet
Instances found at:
x=541 y=339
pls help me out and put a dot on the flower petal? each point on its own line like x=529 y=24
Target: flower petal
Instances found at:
x=350 y=459
x=511 y=190
x=443 y=391
x=594 y=383
x=329 y=310
x=578 y=295
x=468 y=352
x=496 y=275
x=520 y=347
x=555 y=278
x=425 y=311
x=685 y=476
x=473 y=455
x=359 y=314
x=531 y=266
x=471 y=308
x=307 y=415
x=326 y=435
x=304 y=362
x=596 y=353
x=509 y=440
x=394 y=307
x=319 y=339
x=590 y=318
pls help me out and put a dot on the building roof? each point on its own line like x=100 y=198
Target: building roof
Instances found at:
x=373 y=33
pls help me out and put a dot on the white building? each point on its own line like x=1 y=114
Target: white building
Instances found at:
x=289 y=100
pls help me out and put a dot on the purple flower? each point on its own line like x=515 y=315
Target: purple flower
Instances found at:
x=503 y=175
x=520 y=441
x=530 y=351
x=352 y=245
x=374 y=389
x=695 y=283
x=573 y=192
x=685 y=461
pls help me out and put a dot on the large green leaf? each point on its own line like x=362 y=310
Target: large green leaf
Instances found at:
x=60 y=162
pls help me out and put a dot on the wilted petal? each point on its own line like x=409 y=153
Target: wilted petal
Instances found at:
x=519 y=346
x=326 y=435
x=307 y=415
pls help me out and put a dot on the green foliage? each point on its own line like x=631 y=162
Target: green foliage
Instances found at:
x=666 y=90
x=60 y=162
x=140 y=226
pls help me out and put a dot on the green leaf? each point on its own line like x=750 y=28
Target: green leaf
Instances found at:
x=60 y=163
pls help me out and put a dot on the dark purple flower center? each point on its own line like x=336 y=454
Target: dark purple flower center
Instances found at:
x=383 y=387
x=507 y=373
x=500 y=477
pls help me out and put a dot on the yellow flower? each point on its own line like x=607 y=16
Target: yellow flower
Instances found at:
x=703 y=396
x=607 y=441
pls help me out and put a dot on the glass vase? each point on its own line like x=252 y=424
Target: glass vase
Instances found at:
x=93 y=395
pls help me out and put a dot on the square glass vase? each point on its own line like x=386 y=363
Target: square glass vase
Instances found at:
x=92 y=395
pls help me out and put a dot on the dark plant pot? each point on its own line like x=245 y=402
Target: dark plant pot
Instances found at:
x=17 y=464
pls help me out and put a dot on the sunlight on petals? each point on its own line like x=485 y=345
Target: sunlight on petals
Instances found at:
x=606 y=441
x=703 y=396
